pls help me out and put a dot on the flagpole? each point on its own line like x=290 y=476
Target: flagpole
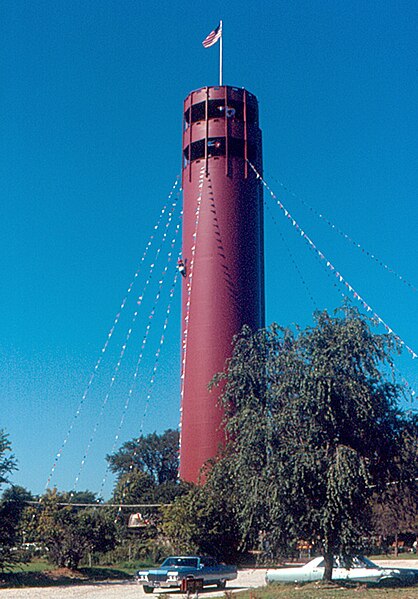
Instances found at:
x=220 y=57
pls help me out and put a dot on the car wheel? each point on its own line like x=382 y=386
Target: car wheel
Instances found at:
x=221 y=584
x=148 y=589
x=390 y=582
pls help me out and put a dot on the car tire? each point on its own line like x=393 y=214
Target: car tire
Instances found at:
x=390 y=582
x=148 y=590
x=221 y=584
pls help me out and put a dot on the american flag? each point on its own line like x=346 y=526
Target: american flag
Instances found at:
x=213 y=37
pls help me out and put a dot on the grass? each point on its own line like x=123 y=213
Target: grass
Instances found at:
x=42 y=565
x=325 y=591
x=35 y=565
x=391 y=556
x=40 y=573
x=132 y=567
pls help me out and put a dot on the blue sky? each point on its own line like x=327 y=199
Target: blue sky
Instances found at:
x=90 y=146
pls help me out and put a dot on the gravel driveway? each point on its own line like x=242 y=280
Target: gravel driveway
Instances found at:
x=125 y=590
x=130 y=590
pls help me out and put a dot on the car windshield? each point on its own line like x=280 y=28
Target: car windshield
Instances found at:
x=179 y=562
x=362 y=562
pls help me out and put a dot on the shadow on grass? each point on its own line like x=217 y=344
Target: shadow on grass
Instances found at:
x=62 y=577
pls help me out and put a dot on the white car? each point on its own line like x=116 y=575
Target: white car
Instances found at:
x=358 y=569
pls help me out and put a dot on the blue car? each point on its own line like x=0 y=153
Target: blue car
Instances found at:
x=179 y=571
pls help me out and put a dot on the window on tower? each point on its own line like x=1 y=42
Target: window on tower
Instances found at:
x=252 y=113
x=198 y=112
x=197 y=149
x=235 y=109
x=216 y=146
x=236 y=147
x=216 y=109
x=186 y=157
x=186 y=121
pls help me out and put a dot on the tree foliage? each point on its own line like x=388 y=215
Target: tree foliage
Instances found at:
x=395 y=508
x=12 y=506
x=395 y=512
x=202 y=522
x=155 y=455
x=147 y=469
x=70 y=533
x=7 y=459
x=84 y=497
x=314 y=427
x=134 y=487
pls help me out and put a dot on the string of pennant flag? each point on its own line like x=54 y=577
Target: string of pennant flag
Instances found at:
x=127 y=338
x=157 y=356
x=135 y=377
x=346 y=236
x=147 y=331
x=332 y=268
x=167 y=210
x=292 y=259
x=406 y=385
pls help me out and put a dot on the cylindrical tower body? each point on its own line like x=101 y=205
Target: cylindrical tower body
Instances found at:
x=223 y=252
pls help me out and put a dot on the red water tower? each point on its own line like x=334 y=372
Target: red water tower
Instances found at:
x=223 y=287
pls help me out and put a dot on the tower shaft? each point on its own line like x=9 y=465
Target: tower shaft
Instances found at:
x=223 y=252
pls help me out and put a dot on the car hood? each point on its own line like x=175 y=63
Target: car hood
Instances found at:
x=402 y=571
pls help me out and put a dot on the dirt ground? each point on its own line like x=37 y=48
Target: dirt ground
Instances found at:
x=125 y=590
x=130 y=590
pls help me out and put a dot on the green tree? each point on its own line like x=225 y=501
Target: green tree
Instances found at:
x=134 y=487
x=314 y=429
x=7 y=459
x=147 y=469
x=98 y=526
x=202 y=522
x=84 y=497
x=156 y=455
x=70 y=533
x=395 y=508
x=12 y=506
x=393 y=513
x=168 y=491
x=138 y=487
